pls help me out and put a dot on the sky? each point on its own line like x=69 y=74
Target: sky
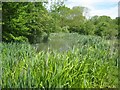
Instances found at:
x=96 y=7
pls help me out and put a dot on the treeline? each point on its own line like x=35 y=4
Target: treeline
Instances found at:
x=33 y=22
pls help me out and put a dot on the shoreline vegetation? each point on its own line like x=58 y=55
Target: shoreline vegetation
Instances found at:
x=88 y=65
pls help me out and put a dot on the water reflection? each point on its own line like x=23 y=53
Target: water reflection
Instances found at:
x=57 y=45
x=59 y=42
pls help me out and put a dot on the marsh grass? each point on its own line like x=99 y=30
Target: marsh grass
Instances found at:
x=84 y=66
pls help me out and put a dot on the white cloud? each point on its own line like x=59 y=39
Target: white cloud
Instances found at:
x=112 y=12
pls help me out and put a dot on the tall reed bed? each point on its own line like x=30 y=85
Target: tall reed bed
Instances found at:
x=85 y=66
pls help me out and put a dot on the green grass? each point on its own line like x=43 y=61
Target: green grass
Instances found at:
x=90 y=65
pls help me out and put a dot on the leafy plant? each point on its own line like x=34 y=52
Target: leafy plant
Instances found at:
x=89 y=65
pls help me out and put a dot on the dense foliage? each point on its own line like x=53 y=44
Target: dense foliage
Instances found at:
x=57 y=47
x=24 y=21
x=33 y=22
x=92 y=63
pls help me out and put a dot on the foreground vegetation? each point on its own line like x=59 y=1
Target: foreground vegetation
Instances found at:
x=91 y=63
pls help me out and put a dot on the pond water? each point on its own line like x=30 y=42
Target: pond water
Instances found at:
x=66 y=41
x=60 y=42
x=59 y=45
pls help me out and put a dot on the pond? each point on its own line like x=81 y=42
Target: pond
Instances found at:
x=66 y=41
x=60 y=42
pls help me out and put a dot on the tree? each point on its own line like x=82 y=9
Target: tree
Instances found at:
x=105 y=27
x=12 y=28
x=76 y=19
x=94 y=19
x=62 y=18
x=24 y=21
x=117 y=26
x=89 y=28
